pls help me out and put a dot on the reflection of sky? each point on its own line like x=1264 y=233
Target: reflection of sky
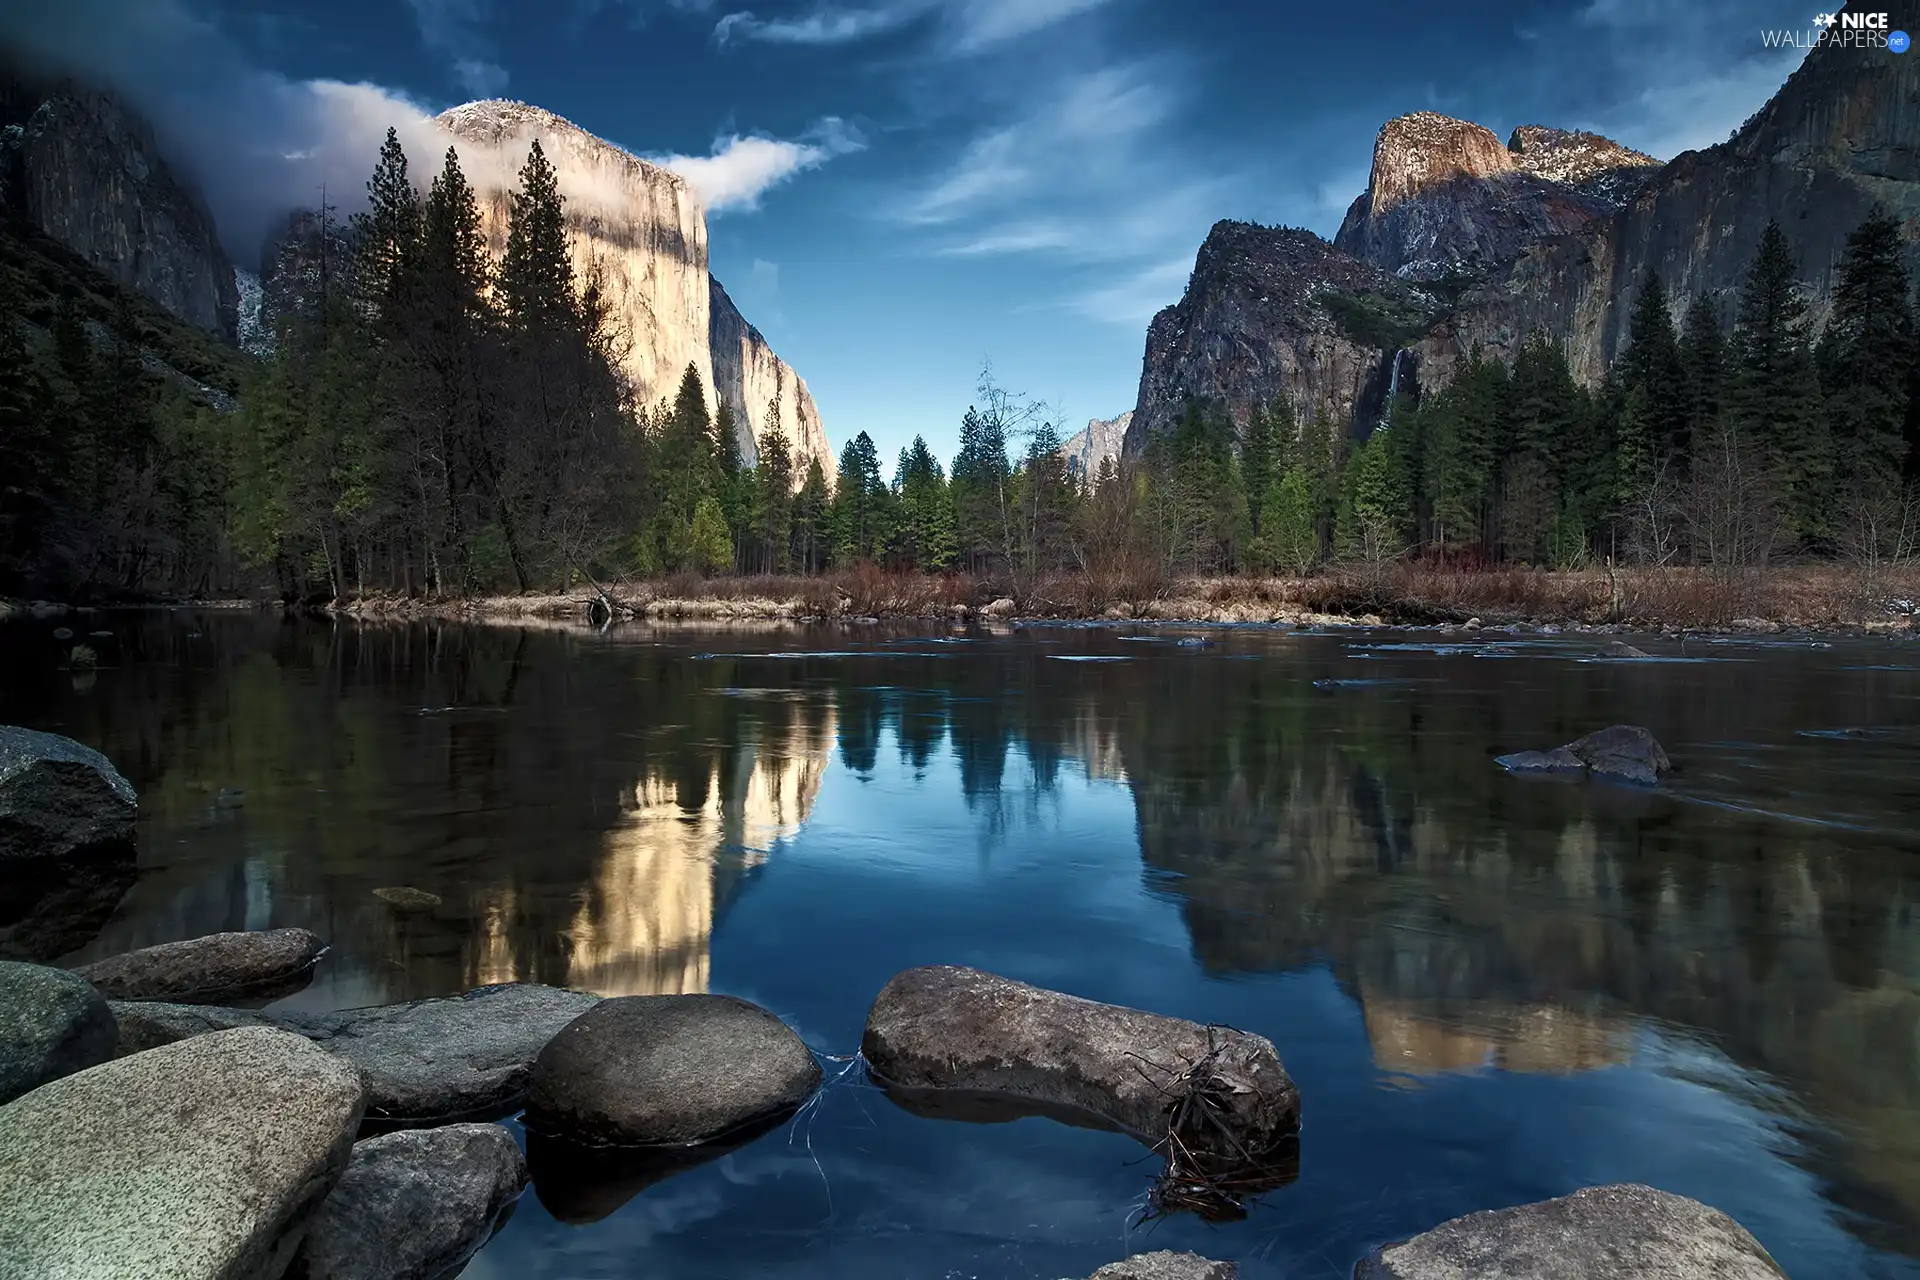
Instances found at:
x=891 y=872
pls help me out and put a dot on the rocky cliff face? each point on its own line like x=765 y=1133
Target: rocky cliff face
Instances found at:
x=1094 y=443
x=1445 y=199
x=1836 y=139
x=1553 y=232
x=1271 y=312
x=756 y=383
x=82 y=168
x=643 y=230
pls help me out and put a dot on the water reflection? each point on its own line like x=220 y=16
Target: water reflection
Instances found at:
x=598 y=810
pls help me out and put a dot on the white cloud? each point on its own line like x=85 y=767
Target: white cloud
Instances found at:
x=1133 y=299
x=764 y=276
x=741 y=169
x=967 y=25
x=454 y=30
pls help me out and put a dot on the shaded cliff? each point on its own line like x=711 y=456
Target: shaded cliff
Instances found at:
x=78 y=165
x=1271 y=312
x=753 y=381
x=1094 y=443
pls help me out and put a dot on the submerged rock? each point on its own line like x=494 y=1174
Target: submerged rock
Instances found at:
x=198 y=1159
x=1165 y=1264
x=579 y=1184
x=414 y=1205
x=945 y=1031
x=1622 y=752
x=466 y=1056
x=406 y=898
x=1620 y=1232
x=668 y=1071
x=212 y=969
x=52 y=1024
x=1621 y=649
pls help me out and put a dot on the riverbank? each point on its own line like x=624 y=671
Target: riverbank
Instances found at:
x=1805 y=598
x=1815 y=598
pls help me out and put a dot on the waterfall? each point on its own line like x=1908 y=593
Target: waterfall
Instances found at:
x=1393 y=390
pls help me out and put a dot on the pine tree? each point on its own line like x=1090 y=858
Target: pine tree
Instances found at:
x=1464 y=429
x=1774 y=392
x=1703 y=364
x=812 y=523
x=536 y=285
x=1865 y=359
x=387 y=234
x=926 y=509
x=1541 y=404
x=857 y=502
x=1650 y=366
x=980 y=476
x=773 y=497
x=1289 y=521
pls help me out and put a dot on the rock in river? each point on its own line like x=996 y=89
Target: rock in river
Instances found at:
x=1621 y=649
x=1622 y=752
x=464 y=1056
x=200 y=1159
x=949 y=1030
x=210 y=970
x=668 y=1070
x=1165 y=1264
x=1620 y=1232
x=52 y=1024
x=66 y=843
x=414 y=1205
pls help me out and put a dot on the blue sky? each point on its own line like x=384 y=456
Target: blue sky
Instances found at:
x=901 y=190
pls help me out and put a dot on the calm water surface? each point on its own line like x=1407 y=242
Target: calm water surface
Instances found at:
x=1490 y=990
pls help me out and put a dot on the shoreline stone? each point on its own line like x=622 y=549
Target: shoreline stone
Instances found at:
x=66 y=843
x=958 y=1032
x=447 y=1058
x=414 y=1205
x=1166 y=1264
x=1624 y=1231
x=197 y=1159
x=210 y=970
x=668 y=1071
x=52 y=1024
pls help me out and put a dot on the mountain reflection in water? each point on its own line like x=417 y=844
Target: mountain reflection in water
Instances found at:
x=1490 y=988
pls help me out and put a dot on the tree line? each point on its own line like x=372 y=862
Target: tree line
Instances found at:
x=432 y=421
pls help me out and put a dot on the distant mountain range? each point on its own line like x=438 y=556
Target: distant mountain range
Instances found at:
x=1461 y=242
x=1094 y=443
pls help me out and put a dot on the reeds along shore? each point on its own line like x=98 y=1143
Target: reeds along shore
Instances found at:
x=1818 y=597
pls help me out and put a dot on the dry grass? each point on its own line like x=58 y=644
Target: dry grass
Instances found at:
x=1822 y=596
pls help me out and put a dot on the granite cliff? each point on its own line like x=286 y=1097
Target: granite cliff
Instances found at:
x=1461 y=242
x=644 y=230
x=1094 y=443
x=79 y=166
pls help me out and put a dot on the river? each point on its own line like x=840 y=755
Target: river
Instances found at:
x=1489 y=989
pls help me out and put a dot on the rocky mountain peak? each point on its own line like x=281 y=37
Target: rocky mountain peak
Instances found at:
x=1088 y=448
x=1593 y=165
x=1415 y=152
x=503 y=122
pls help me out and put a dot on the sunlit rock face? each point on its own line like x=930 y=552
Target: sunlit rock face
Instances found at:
x=671 y=862
x=639 y=226
x=642 y=231
x=1094 y=444
x=80 y=166
x=764 y=392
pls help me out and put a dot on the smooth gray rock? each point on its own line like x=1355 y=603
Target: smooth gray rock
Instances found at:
x=52 y=1024
x=1165 y=1264
x=1620 y=1232
x=1623 y=751
x=58 y=797
x=197 y=1161
x=413 y=1205
x=668 y=1070
x=945 y=1028
x=209 y=970
x=464 y=1056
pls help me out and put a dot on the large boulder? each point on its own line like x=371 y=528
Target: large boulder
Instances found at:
x=414 y=1205
x=52 y=1024
x=66 y=842
x=58 y=797
x=209 y=970
x=1621 y=752
x=458 y=1057
x=950 y=1030
x=1165 y=1264
x=196 y=1160
x=1620 y=1232
x=668 y=1071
